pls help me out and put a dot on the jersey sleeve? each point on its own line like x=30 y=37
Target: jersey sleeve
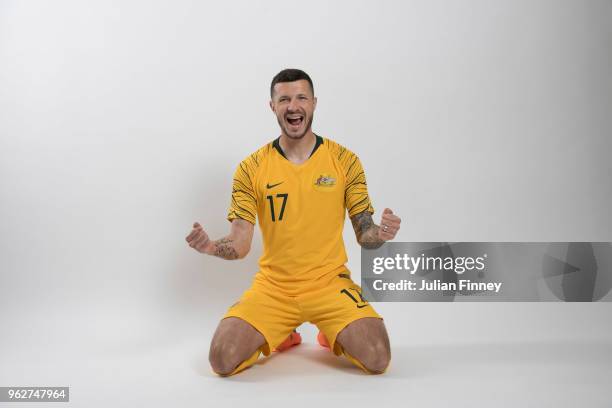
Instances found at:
x=356 y=198
x=244 y=203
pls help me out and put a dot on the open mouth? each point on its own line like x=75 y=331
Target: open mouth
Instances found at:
x=295 y=120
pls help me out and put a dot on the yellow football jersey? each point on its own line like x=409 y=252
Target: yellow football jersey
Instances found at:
x=301 y=210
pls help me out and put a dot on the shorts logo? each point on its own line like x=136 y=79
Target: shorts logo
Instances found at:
x=325 y=180
x=359 y=303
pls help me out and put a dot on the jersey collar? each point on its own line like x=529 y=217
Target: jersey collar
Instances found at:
x=318 y=142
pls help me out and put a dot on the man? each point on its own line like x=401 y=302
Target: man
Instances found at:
x=299 y=187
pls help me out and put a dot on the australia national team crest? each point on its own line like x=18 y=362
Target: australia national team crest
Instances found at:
x=325 y=181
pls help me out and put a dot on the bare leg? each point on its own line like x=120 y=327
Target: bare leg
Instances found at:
x=234 y=341
x=366 y=340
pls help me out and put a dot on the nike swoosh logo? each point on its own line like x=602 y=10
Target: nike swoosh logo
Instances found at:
x=359 y=307
x=273 y=185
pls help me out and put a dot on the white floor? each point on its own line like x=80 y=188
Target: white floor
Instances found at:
x=458 y=372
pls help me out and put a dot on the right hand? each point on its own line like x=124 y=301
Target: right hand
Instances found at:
x=198 y=240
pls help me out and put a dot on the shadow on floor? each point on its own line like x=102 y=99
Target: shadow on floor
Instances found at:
x=419 y=361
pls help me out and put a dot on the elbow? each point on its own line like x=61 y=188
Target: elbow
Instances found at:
x=243 y=251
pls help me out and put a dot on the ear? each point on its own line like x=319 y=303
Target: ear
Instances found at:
x=314 y=105
x=272 y=106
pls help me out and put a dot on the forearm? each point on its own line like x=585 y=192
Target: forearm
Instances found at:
x=225 y=248
x=229 y=247
x=369 y=238
x=236 y=245
x=366 y=231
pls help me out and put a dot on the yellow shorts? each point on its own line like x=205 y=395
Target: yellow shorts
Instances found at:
x=275 y=315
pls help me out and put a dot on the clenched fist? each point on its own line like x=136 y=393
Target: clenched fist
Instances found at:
x=198 y=240
x=389 y=225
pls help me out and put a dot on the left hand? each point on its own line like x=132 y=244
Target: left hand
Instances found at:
x=389 y=225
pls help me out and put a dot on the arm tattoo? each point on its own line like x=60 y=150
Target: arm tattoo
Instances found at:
x=366 y=231
x=224 y=249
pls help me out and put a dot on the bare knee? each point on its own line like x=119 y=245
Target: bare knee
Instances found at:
x=233 y=342
x=375 y=357
x=367 y=341
x=224 y=357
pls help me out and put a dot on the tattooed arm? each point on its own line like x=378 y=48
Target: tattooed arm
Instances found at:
x=234 y=246
x=366 y=231
x=370 y=235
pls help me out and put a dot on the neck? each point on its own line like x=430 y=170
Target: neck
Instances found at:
x=298 y=150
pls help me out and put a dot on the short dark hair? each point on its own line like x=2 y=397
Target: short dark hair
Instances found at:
x=290 y=75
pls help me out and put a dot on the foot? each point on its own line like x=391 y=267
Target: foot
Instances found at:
x=322 y=340
x=292 y=340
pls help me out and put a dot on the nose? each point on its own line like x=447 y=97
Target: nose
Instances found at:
x=293 y=105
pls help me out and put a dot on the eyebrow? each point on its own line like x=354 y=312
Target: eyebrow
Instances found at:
x=287 y=96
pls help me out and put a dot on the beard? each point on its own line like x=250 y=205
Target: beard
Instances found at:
x=294 y=136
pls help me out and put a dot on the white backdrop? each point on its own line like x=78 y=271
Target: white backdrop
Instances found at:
x=121 y=124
